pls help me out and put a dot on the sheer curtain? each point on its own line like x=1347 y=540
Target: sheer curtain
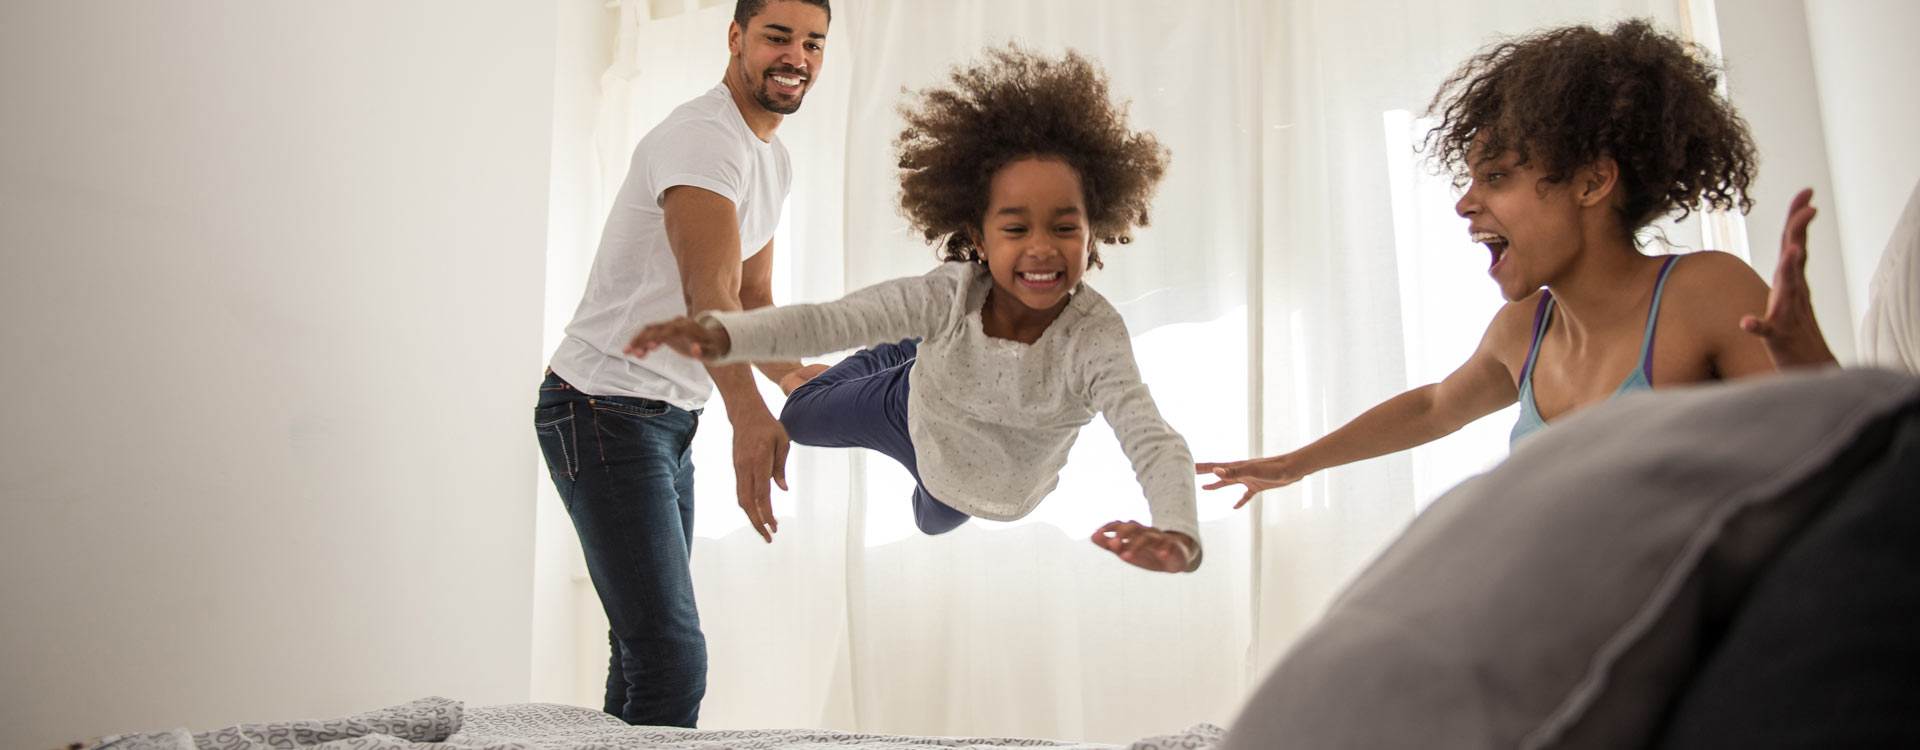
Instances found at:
x=1369 y=285
x=1302 y=266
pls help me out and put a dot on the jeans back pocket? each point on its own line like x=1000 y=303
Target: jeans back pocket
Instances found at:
x=559 y=442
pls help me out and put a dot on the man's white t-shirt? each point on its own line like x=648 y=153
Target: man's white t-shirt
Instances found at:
x=635 y=280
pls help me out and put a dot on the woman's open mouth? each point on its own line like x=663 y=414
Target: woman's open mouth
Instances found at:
x=1496 y=244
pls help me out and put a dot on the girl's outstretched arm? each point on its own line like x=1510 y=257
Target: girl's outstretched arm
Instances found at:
x=887 y=311
x=1480 y=387
x=1108 y=374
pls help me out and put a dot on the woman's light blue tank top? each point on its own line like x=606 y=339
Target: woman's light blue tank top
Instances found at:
x=1640 y=379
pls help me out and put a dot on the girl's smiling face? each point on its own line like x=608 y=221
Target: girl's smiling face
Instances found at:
x=1035 y=236
x=1530 y=226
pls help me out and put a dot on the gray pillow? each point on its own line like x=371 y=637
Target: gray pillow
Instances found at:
x=1560 y=600
x=1822 y=652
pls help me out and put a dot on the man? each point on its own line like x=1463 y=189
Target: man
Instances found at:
x=690 y=230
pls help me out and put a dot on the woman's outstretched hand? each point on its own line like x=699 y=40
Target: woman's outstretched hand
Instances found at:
x=1148 y=547
x=684 y=335
x=1256 y=474
x=1789 y=331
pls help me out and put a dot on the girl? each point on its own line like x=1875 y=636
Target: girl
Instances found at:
x=1017 y=168
x=1570 y=142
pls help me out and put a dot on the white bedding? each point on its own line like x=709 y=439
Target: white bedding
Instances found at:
x=1890 y=330
x=440 y=723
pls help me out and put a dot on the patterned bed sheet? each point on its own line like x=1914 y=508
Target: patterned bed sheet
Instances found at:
x=442 y=724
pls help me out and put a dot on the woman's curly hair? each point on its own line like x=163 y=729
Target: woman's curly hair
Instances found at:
x=1563 y=98
x=1013 y=104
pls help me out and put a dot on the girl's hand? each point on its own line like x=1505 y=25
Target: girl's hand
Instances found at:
x=1789 y=331
x=1148 y=547
x=1257 y=474
x=683 y=335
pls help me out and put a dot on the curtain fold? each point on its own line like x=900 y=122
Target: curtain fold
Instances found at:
x=1302 y=266
x=1351 y=308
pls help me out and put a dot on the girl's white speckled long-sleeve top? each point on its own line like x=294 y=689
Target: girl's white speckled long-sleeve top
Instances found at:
x=992 y=419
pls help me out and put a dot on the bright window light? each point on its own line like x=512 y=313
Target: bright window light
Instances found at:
x=1446 y=302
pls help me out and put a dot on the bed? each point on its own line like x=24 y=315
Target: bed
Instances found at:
x=446 y=724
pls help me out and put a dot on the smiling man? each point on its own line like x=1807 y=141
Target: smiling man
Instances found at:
x=690 y=231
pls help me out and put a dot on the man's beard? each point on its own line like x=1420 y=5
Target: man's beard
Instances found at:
x=763 y=95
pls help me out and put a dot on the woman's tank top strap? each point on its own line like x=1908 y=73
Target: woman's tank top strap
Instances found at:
x=1653 y=319
x=1540 y=313
x=1529 y=421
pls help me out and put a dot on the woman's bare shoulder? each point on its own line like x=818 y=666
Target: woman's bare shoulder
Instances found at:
x=1704 y=267
x=1716 y=285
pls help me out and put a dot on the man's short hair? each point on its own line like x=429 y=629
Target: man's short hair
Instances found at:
x=745 y=10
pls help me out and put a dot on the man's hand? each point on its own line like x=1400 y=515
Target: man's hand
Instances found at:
x=1256 y=474
x=1148 y=547
x=683 y=335
x=1789 y=331
x=759 y=456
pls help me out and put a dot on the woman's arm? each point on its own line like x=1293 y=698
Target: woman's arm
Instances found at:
x=1481 y=386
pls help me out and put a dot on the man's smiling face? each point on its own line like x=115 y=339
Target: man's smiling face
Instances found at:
x=779 y=53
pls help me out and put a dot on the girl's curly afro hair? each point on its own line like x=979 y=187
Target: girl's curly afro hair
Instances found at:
x=1010 y=105
x=1565 y=97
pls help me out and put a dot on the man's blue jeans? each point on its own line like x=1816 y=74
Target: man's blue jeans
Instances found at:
x=624 y=469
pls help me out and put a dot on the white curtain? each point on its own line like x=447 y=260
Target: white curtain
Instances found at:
x=1302 y=266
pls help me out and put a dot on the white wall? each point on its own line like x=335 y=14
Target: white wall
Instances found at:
x=1827 y=88
x=1770 y=79
x=1868 y=70
x=584 y=36
x=271 y=319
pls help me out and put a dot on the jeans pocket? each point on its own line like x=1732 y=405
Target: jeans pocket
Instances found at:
x=639 y=429
x=559 y=442
x=632 y=407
